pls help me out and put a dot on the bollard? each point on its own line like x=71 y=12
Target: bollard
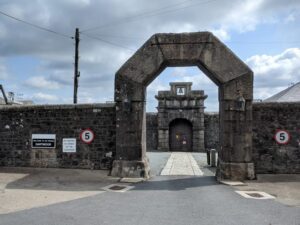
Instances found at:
x=213 y=156
x=208 y=156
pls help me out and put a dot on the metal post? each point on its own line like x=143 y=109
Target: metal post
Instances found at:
x=213 y=157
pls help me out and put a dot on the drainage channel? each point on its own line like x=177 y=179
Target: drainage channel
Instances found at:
x=247 y=193
x=255 y=195
x=118 y=187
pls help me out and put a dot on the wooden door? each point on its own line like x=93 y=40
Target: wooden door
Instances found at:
x=181 y=135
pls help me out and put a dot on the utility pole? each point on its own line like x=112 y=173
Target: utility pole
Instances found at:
x=76 y=72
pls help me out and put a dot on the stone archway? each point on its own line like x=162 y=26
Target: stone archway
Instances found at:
x=227 y=71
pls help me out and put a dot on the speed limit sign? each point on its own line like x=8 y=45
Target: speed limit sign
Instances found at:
x=87 y=136
x=282 y=137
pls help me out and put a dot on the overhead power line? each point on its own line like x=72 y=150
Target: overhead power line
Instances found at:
x=107 y=42
x=36 y=26
x=164 y=10
x=121 y=37
x=261 y=42
x=226 y=42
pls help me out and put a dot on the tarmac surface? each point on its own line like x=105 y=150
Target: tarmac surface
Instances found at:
x=63 y=196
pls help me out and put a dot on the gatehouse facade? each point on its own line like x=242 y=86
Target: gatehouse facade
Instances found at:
x=180 y=118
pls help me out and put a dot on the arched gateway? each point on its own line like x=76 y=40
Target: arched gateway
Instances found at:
x=227 y=71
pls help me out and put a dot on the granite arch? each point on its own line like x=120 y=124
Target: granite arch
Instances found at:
x=232 y=76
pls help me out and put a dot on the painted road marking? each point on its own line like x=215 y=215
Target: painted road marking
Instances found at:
x=181 y=163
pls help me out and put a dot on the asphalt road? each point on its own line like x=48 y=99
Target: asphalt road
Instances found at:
x=174 y=200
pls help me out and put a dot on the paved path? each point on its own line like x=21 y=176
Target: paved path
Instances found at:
x=181 y=163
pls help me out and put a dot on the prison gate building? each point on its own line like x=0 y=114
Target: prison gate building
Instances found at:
x=243 y=132
x=180 y=118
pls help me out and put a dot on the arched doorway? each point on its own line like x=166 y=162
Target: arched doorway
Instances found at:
x=180 y=136
x=235 y=84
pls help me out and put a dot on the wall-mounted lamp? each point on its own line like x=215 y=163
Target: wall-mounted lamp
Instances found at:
x=240 y=103
x=127 y=105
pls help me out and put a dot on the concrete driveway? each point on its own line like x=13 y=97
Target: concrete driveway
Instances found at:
x=26 y=188
x=65 y=196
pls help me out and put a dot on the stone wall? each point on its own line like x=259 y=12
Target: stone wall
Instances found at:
x=211 y=130
x=270 y=157
x=18 y=123
x=152 y=131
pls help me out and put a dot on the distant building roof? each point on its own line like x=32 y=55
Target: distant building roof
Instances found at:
x=22 y=102
x=2 y=102
x=291 y=94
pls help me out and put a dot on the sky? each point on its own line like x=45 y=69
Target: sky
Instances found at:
x=37 y=55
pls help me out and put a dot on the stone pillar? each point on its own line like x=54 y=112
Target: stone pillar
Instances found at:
x=130 y=159
x=235 y=153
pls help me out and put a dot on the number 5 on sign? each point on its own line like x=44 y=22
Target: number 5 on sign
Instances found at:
x=282 y=137
x=87 y=136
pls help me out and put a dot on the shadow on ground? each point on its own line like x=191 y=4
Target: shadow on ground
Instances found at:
x=176 y=183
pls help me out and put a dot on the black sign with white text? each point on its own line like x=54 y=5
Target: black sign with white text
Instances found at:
x=43 y=141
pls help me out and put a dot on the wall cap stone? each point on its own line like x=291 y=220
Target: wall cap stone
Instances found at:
x=211 y=113
x=58 y=106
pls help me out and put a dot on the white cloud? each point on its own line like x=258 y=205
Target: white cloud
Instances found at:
x=243 y=16
x=3 y=30
x=41 y=82
x=174 y=27
x=221 y=33
x=273 y=73
x=45 y=98
x=86 y=97
x=281 y=67
x=3 y=72
x=100 y=60
x=289 y=18
x=183 y=74
x=186 y=74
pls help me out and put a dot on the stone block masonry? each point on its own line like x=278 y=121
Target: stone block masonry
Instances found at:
x=18 y=123
x=270 y=157
x=152 y=131
x=211 y=130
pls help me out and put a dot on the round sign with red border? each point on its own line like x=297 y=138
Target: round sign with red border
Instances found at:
x=282 y=137
x=87 y=136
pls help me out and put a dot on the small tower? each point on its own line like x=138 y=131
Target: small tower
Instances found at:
x=181 y=118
